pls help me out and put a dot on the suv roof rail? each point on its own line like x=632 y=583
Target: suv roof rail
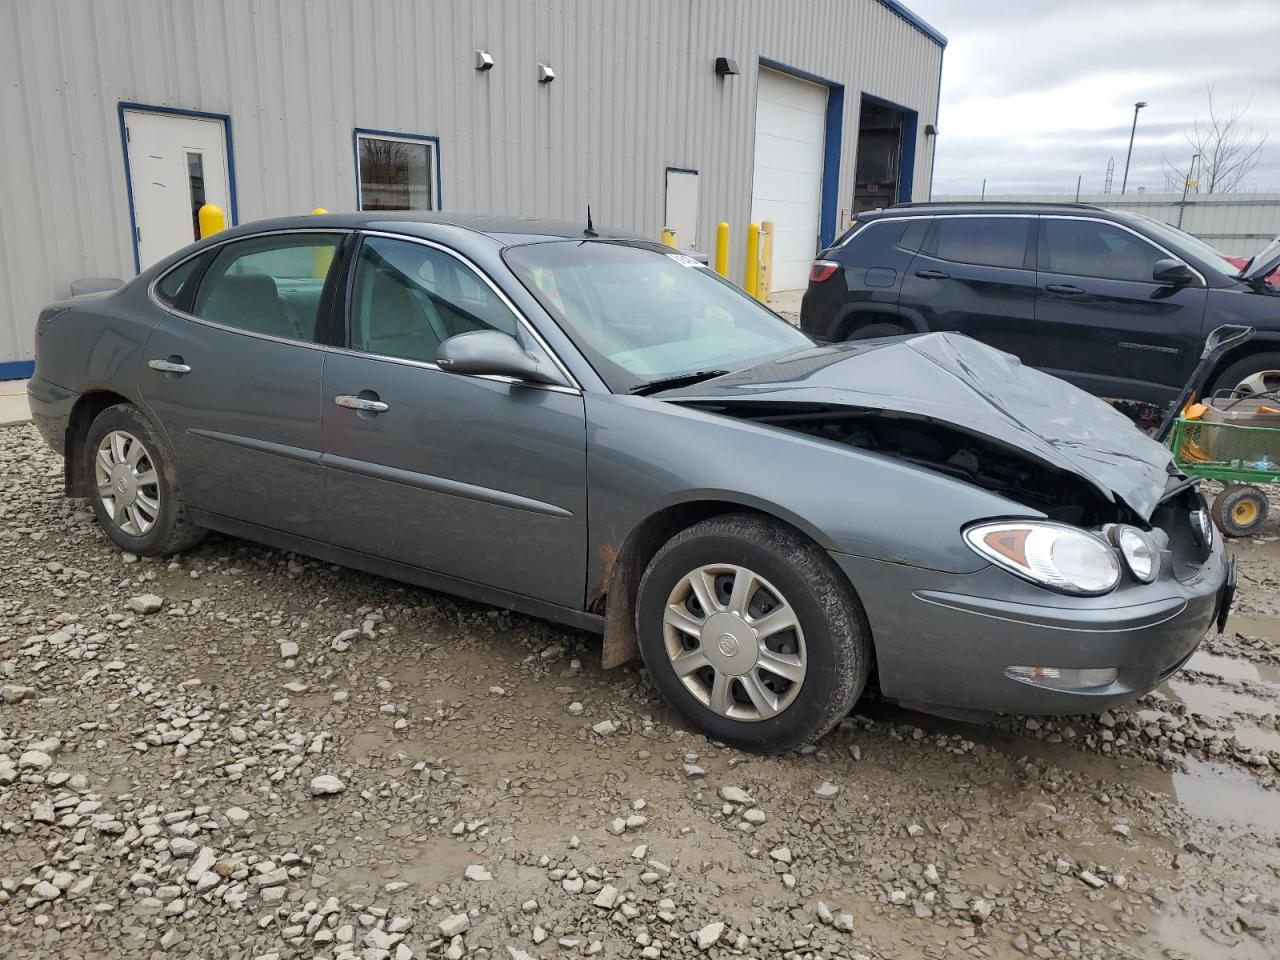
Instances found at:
x=996 y=203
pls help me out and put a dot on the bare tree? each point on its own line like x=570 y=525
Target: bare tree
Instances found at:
x=1228 y=150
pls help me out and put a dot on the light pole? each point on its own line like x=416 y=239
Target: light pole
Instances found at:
x=1132 y=130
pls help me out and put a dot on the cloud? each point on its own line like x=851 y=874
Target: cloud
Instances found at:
x=1036 y=94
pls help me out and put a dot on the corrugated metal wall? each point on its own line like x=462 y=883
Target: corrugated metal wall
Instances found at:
x=1239 y=224
x=635 y=93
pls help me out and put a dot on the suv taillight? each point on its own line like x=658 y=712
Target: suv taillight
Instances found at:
x=822 y=270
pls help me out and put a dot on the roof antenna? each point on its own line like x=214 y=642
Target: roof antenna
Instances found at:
x=590 y=231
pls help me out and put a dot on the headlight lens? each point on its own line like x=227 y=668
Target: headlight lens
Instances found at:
x=1202 y=526
x=1139 y=551
x=1053 y=555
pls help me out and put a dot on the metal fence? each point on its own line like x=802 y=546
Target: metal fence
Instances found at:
x=1239 y=224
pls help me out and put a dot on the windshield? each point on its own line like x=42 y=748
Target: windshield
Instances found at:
x=1178 y=239
x=640 y=315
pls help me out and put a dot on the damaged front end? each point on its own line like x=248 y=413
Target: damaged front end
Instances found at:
x=947 y=449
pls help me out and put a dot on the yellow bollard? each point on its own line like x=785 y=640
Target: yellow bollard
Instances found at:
x=212 y=220
x=722 y=249
x=764 y=284
x=669 y=237
x=321 y=257
x=752 y=273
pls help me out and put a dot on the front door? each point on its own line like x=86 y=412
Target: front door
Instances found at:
x=975 y=275
x=471 y=477
x=233 y=375
x=177 y=163
x=1106 y=325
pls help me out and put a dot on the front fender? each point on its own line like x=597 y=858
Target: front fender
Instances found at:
x=646 y=455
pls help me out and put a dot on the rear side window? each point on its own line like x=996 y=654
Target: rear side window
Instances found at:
x=174 y=284
x=269 y=285
x=1087 y=248
x=984 y=241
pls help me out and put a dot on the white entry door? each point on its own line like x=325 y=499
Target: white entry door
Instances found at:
x=791 y=124
x=176 y=165
x=682 y=207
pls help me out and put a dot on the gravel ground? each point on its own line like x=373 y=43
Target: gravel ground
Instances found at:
x=243 y=753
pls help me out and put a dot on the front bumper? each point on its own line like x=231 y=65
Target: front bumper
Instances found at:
x=945 y=640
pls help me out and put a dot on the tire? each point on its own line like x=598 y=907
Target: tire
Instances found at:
x=1240 y=510
x=153 y=521
x=876 y=330
x=1250 y=367
x=832 y=645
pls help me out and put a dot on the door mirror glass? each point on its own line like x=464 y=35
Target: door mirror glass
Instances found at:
x=1172 y=271
x=491 y=353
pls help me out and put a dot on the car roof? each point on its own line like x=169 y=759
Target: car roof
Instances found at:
x=507 y=230
x=931 y=208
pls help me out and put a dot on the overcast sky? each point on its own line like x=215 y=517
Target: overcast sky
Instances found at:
x=1036 y=94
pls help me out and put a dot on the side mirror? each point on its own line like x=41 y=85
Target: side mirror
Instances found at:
x=492 y=353
x=1172 y=271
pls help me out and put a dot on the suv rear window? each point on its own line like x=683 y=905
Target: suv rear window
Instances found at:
x=984 y=241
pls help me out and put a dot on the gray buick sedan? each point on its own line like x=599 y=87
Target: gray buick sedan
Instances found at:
x=600 y=431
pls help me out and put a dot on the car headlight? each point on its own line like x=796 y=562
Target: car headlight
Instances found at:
x=1202 y=526
x=1053 y=555
x=1141 y=555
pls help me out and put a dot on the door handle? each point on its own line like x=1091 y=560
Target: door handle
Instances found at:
x=1066 y=289
x=932 y=275
x=361 y=403
x=171 y=365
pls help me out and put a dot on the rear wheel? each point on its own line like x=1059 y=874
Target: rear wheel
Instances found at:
x=877 y=330
x=132 y=486
x=1240 y=510
x=751 y=633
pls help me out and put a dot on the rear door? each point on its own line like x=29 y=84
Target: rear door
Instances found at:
x=233 y=376
x=1104 y=323
x=975 y=275
x=477 y=478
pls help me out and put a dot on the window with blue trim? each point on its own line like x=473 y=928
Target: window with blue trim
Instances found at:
x=395 y=173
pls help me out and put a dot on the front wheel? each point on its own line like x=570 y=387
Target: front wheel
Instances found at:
x=751 y=633
x=133 y=487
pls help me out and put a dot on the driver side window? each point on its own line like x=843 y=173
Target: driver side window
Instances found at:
x=409 y=298
x=1087 y=248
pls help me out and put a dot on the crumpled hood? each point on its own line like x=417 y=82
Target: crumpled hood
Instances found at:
x=956 y=380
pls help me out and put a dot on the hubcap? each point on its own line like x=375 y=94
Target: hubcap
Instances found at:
x=735 y=642
x=127 y=483
x=1264 y=381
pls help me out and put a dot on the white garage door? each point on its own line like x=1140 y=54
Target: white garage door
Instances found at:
x=787 y=185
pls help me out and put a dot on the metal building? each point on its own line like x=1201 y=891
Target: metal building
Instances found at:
x=121 y=117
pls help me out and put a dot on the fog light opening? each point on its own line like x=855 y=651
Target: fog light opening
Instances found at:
x=1064 y=678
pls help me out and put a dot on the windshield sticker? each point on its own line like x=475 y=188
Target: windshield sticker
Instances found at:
x=684 y=261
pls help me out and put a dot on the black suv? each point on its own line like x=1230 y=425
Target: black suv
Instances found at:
x=1116 y=303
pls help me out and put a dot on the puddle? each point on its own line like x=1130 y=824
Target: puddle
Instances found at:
x=1215 y=702
x=1233 y=668
x=1221 y=795
x=1253 y=625
x=1227 y=797
x=1257 y=739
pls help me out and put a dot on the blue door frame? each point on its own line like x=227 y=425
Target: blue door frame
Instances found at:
x=223 y=118
x=906 y=145
x=830 y=201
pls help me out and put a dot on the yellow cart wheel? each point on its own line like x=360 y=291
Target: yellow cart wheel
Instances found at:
x=1240 y=510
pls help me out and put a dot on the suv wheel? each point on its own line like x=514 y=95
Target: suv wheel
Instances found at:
x=132 y=486
x=876 y=330
x=1259 y=373
x=749 y=631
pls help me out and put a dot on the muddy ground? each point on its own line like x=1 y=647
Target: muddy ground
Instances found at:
x=243 y=753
